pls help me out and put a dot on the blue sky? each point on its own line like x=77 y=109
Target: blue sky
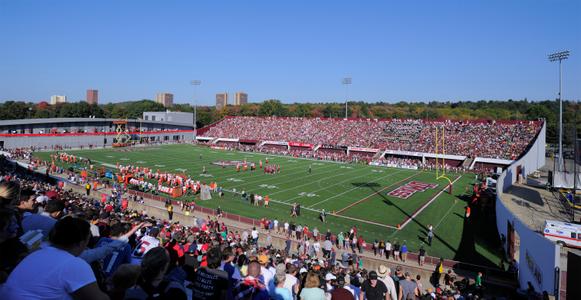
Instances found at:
x=295 y=51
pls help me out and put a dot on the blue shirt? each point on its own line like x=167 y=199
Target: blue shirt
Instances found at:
x=115 y=259
x=36 y=221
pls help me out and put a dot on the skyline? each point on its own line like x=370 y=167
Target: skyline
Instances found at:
x=294 y=52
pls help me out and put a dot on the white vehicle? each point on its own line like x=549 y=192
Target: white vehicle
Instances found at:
x=563 y=233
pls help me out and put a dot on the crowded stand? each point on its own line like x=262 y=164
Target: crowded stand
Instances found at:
x=490 y=139
x=56 y=243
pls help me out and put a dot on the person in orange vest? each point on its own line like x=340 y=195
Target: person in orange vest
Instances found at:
x=266 y=200
x=260 y=163
x=467 y=212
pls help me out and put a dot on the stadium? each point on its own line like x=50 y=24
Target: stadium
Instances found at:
x=392 y=180
x=290 y=150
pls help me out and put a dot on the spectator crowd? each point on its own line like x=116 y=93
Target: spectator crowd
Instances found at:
x=59 y=244
x=490 y=139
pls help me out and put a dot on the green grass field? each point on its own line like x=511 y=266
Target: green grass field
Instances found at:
x=357 y=193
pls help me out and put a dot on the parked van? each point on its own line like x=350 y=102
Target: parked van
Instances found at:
x=563 y=233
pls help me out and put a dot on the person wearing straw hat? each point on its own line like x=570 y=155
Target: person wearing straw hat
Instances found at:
x=384 y=274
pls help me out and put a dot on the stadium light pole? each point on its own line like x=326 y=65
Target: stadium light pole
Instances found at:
x=195 y=83
x=560 y=56
x=346 y=82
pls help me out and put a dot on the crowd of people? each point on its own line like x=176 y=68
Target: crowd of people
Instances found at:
x=491 y=139
x=56 y=243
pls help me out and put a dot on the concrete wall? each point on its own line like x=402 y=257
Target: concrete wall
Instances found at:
x=538 y=256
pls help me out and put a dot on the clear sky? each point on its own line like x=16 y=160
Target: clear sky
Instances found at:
x=295 y=51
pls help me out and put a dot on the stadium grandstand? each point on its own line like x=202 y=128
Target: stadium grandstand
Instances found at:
x=481 y=144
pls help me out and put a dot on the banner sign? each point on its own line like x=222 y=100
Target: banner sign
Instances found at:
x=293 y=144
x=363 y=149
x=275 y=143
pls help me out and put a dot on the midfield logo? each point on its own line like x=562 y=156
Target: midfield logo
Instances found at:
x=407 y=190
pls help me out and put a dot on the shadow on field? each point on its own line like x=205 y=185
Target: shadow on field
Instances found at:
x=480 y=223
x=365 y=184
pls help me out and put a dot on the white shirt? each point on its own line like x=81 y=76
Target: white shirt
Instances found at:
x=275 y=223
x=49 y=273
x=317 y=247
x=286 y=226
x=254 y=234
x=289 y=283
x=390 y=287
x=388 y=246
x=268 y=276
x=148 y=243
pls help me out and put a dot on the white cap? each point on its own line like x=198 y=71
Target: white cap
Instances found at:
x=303 y=270
x=329 y=276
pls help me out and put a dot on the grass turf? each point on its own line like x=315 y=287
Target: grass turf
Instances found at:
x=357 y=192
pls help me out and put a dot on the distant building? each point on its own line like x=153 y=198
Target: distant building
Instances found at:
x=92 y=97
x=170 y=117
x=164 y=98
x=241 y=98
x=221 y=100
x=56 y=99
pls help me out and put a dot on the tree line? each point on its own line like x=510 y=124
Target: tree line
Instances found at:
x=492 y=110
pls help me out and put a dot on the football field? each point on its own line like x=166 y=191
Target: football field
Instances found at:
x=384 y=203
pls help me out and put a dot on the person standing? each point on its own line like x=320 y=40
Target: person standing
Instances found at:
x=312 y=290
x=387 y=249
x=422 y=255
x=396 y=251
x=438 y=272
x=170 y=211
x=88 y=189
x=404 y=251
x=384 y=274
x=407 y=288
x=430 y=237
x=373 y=289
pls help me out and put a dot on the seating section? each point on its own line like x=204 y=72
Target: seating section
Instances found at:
x=489 y=139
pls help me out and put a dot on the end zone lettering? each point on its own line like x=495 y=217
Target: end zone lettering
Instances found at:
x=407 y=190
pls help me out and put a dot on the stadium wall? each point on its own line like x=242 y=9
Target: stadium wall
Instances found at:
x=538 y=256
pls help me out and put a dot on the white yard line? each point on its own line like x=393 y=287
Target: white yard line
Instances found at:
x=352 y=189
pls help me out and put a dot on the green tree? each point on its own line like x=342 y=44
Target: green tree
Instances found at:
x=272 y=108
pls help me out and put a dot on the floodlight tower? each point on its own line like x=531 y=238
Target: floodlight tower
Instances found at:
x=195 y=83
x=346 y=82
x=560 y=56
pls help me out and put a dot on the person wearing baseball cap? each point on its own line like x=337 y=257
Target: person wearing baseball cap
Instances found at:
x=328 y=282
x=373 y=289
x=340 y=292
